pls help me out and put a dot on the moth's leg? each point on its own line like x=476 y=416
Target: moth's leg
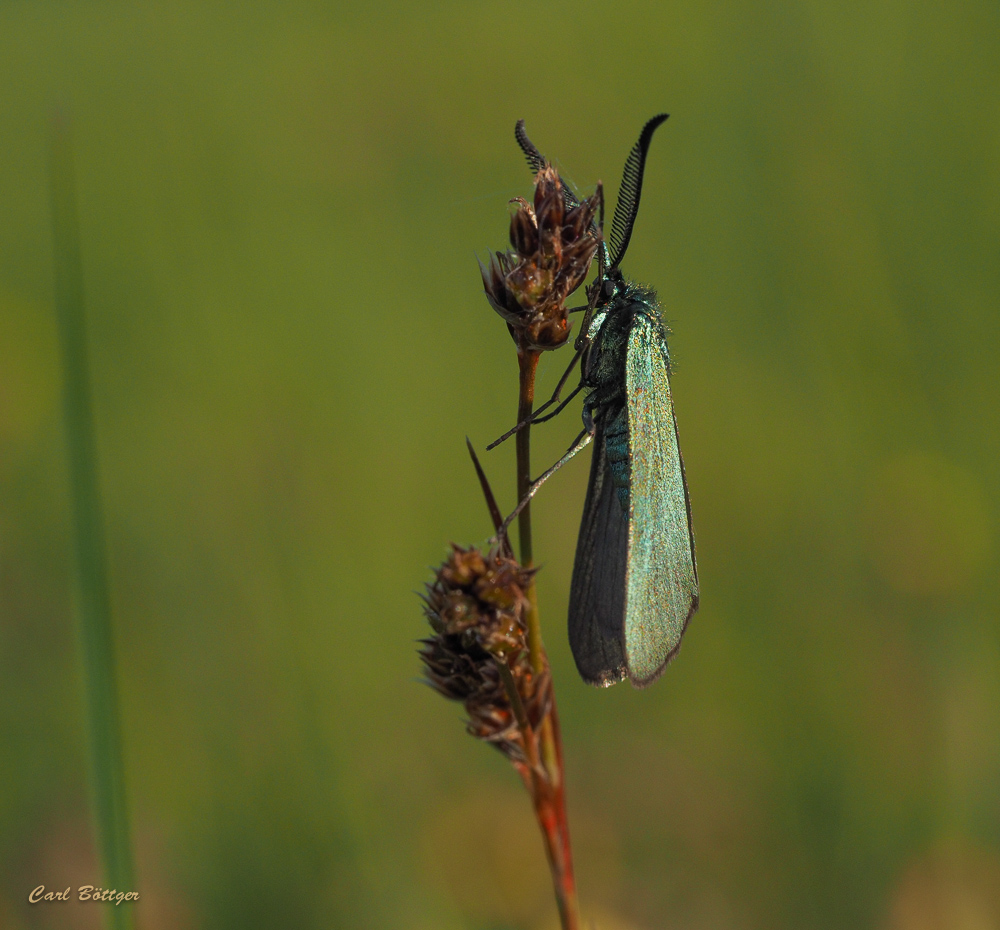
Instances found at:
x=579 y=443
x=561 y=407
x=534 y=418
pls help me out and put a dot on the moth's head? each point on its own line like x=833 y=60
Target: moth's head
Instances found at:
x=610 y=285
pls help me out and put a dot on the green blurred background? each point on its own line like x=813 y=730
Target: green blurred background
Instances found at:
x=280 y=205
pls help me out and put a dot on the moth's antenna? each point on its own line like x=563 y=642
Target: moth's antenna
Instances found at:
x=628 y=197
x=537 y=161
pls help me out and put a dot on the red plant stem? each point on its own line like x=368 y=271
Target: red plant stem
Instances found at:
x=562 y=821
x=550 y=809
x=551 y=815
x=546 y=778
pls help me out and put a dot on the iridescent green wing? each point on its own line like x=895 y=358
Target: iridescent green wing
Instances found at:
x=662 y=579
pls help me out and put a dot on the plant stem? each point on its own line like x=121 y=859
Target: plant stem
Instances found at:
x=527 y=363
x=94 y=604
x=550 y=810
x=548 y=792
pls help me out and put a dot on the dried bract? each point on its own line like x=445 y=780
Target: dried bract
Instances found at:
x=552 y=250
x=475 y=605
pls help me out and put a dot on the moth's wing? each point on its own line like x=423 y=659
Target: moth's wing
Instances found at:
x=662 y=578
x=597 y=595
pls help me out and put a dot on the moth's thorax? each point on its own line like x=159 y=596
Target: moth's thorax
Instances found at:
x=609 y=333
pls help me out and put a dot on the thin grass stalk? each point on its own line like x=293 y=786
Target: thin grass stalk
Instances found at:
x=93 y=601
x=548 y=794
x=527 y=363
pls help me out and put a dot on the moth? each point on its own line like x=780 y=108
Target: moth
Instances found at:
x=635 y=577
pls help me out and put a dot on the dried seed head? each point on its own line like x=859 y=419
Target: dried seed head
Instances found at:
x=475 y=605
x=552 y=251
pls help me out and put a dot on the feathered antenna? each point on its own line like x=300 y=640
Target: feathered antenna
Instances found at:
x=537 y=161
x=628 y=196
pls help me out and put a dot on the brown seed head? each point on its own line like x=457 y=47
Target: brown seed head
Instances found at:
x=552 y=251
x=475 y=605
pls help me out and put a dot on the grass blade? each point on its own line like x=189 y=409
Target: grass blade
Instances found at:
x=94 y=602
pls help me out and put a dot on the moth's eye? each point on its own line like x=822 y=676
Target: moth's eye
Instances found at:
x=608 y=289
